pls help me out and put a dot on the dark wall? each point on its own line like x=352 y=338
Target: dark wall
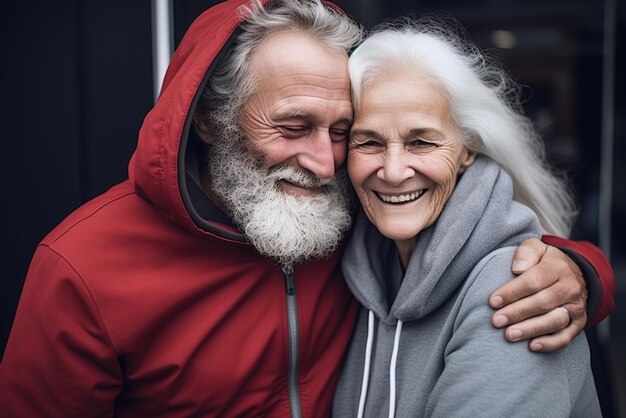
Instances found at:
x=76 y=82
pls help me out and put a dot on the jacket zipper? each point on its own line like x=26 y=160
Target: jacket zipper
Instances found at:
x=294 y=343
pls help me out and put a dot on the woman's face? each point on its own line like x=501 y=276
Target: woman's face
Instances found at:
x=405 y=154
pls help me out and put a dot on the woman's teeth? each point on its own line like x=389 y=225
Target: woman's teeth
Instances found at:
x=401 y=198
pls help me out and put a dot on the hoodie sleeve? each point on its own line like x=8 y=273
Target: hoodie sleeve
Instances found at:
x=597 y=272
x=59 y=360
x=485 y=376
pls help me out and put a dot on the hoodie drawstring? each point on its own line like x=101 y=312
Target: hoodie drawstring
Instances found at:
x=392 y=370
x=368 y=359
x=392 y=366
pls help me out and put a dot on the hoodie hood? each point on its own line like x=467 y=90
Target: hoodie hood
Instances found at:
x=157 y=167
x=479 y=218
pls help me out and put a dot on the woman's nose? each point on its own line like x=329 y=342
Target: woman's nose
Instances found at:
x=395 y=169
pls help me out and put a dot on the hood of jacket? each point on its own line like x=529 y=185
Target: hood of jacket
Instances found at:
x=479 y=217
x=157 y=167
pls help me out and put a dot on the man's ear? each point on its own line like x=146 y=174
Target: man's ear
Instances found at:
x=470 y=156
x=202 y=129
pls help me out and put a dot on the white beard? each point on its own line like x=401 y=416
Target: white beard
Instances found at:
x=289 y=229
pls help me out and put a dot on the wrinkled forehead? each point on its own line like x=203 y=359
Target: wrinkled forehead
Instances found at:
x=296 y=49
x=404 y=89
x=292 y=69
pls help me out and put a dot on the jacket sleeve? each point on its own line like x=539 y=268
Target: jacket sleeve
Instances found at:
x=59 y=360
x=485 y=376
x=597 y=273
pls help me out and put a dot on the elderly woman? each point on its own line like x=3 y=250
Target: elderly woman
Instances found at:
x=452 y=178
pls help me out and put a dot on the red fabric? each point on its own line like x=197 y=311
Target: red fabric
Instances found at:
x=153 y=170
x=601 y=264
x=130 y=309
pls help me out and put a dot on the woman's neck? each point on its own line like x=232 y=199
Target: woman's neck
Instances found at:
x=405 y=249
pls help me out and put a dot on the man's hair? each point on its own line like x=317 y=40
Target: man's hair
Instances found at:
x=232 y=82
x=484 y=102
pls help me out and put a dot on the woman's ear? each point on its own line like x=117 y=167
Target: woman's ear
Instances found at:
x=203 y=130
x=468 y=159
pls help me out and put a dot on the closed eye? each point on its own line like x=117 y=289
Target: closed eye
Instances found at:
x=367 y=146
x=338 y=134
x=420 y=144
x=294 y=131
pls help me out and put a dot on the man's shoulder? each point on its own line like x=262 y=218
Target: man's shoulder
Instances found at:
x=120 y=202
x=121 y=233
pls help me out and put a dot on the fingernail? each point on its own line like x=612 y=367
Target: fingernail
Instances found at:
x=500 y=320
x=515 y=334
x=536 y=346
x=497 y=301
x=520 y=265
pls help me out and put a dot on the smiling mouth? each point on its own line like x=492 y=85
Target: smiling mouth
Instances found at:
x=401 y=198
x=295 y=189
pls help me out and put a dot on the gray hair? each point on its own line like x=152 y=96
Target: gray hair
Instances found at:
x=485 y=106
x=232 y=83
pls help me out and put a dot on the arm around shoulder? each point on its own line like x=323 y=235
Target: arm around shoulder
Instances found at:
x=597 y=272
x=59 y=360
x=486 y=376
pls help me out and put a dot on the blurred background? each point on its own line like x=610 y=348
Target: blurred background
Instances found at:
x=78 y=77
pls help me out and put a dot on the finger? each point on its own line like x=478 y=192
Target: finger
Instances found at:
x=528 y=284
x=527 y=255
x=578 y=311
x=557 y=340
x=540 y=303
x=548 y=323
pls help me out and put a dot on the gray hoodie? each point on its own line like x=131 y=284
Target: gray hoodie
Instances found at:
x=449 y=361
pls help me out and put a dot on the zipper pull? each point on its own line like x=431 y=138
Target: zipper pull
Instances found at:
x=290 y=283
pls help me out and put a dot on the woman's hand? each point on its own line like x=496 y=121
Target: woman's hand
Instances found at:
x=546 y=303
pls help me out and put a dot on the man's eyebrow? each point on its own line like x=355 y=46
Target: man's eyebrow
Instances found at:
x=304 y=115
x=344 y=119
x=292 y=114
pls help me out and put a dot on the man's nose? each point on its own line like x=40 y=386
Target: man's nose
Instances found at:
x=317 y=155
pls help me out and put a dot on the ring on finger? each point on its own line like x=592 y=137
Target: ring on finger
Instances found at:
x=569 y=317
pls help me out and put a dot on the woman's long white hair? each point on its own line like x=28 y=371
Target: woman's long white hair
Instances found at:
x=484 y=102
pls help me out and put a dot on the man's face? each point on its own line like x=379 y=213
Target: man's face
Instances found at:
x=300 y=112
x=274 y=167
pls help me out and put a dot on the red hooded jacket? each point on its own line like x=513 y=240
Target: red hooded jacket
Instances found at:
x=132 y=309
x=136 y=307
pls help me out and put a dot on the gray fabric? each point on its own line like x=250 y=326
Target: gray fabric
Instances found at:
x=451 y=362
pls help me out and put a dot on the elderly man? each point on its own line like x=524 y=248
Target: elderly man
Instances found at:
x=207 y=284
